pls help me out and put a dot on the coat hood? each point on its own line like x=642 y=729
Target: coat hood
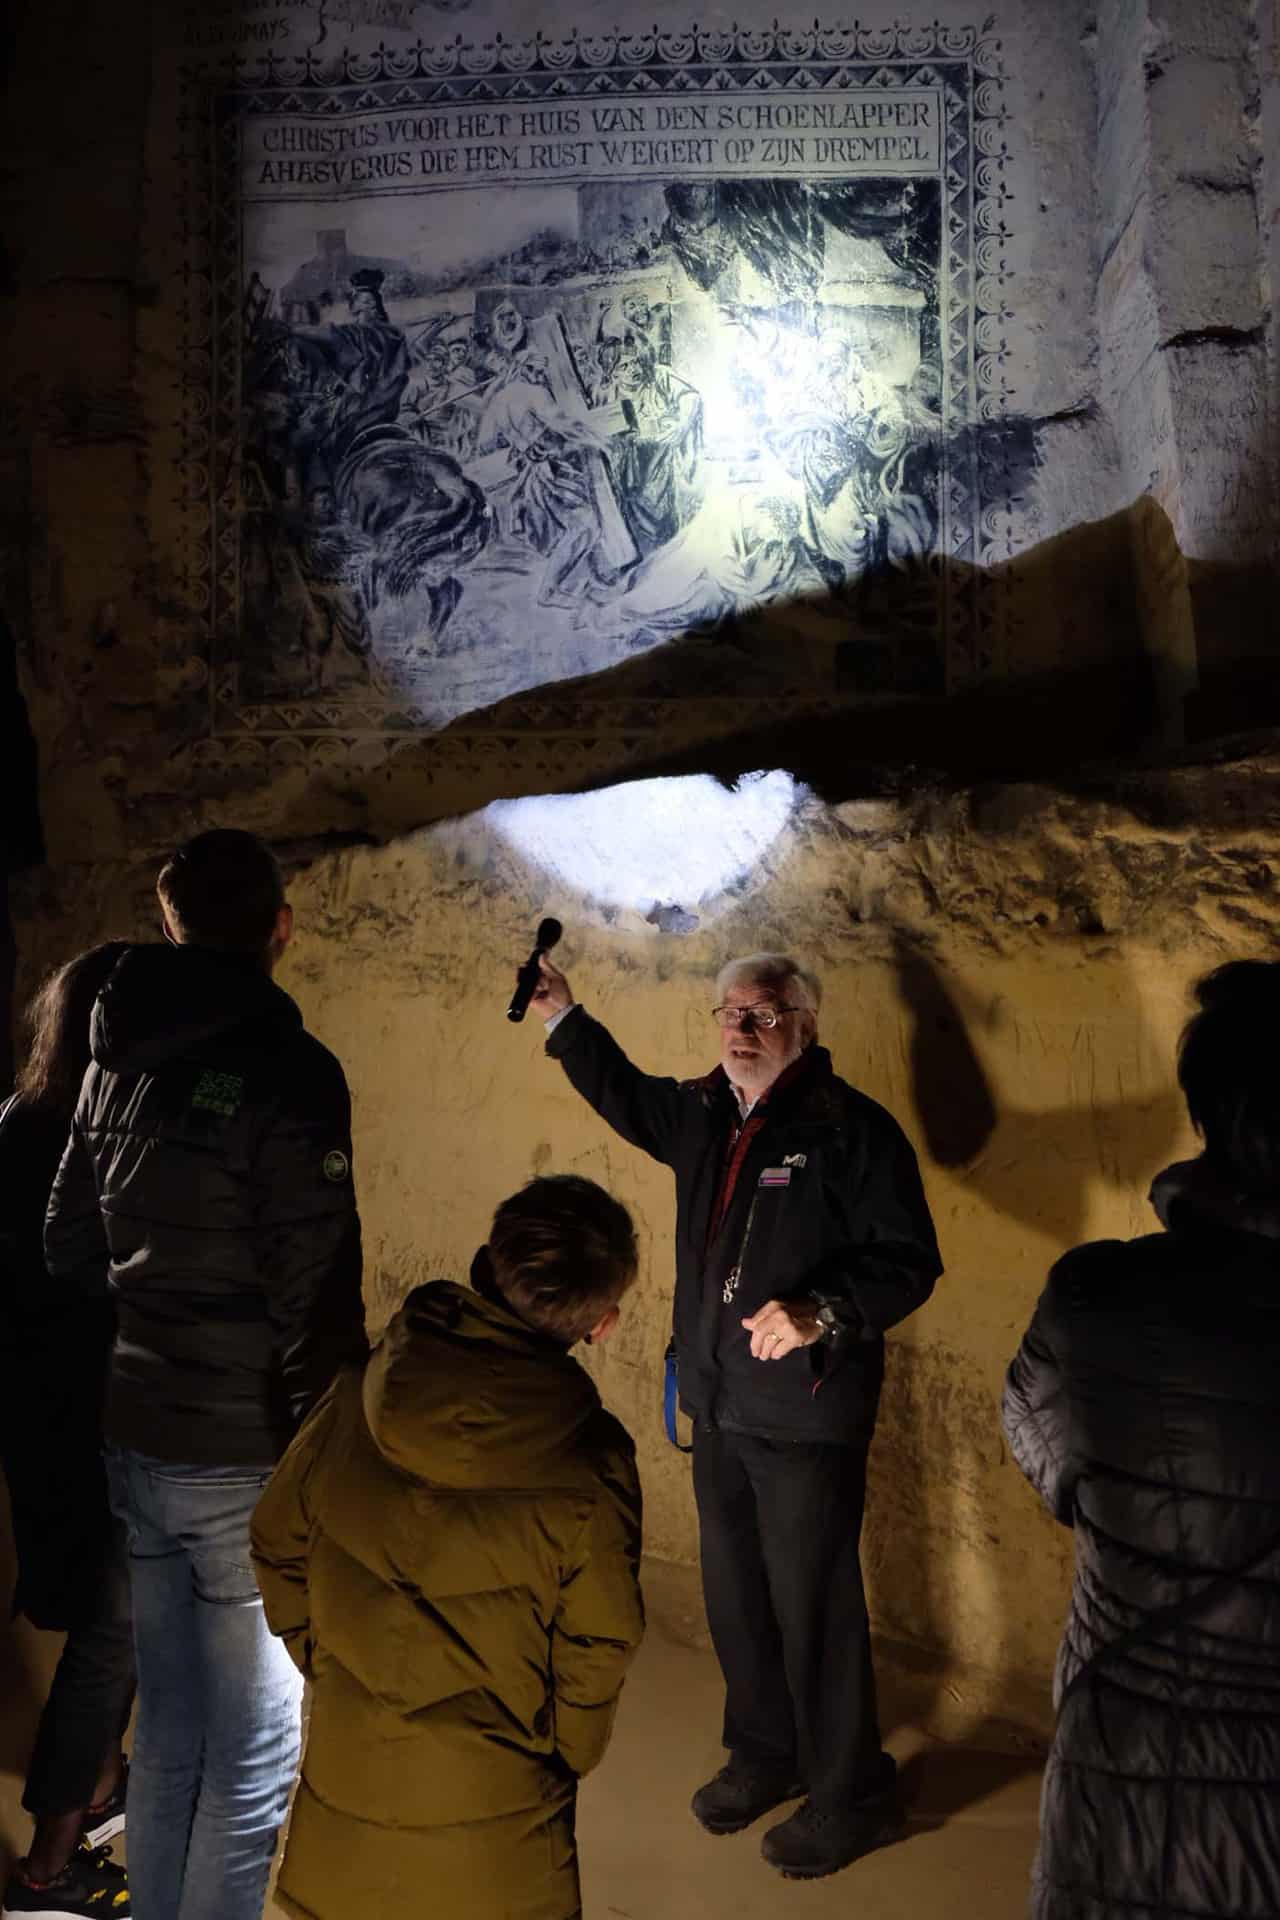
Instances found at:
x=460 y=1393
x=1192 y=1193
x=163 y=1003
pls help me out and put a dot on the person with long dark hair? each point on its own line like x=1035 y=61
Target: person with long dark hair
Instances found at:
x=73 y=1573
x=1144 y=1407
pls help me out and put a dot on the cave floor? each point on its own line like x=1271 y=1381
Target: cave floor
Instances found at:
x=971 y=1811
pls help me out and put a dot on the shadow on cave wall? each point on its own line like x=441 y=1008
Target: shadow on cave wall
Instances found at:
x=939 y=1443
x=1060 y=679
x=843 y=690
x=1033 y=1166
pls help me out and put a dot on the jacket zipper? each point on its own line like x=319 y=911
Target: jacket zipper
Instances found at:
x=734 y=1274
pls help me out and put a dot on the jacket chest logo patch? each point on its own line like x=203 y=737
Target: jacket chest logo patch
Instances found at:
x=219 y=1093
x=335 y=1165
x=776 y=1177
x=794 y=1159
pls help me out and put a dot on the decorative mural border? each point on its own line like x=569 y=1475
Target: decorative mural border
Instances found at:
x=966 y=63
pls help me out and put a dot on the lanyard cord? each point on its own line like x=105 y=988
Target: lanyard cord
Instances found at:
x=735 y=1272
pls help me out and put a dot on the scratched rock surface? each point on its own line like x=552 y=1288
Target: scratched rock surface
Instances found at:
x=1007 y=973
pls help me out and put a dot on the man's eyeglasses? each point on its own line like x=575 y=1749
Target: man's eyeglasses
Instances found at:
x=764 y=1017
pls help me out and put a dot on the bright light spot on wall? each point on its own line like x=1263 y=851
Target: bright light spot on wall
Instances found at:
x=654 y=843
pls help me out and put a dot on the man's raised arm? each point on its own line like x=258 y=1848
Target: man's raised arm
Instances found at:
x=643 y=1107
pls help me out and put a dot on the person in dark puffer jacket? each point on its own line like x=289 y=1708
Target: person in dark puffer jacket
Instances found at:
x=1144 y=1407
x=209 y=1165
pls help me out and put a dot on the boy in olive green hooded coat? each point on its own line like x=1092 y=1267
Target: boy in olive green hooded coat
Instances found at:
x=450 y=1551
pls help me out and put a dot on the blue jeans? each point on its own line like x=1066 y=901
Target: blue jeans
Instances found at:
x=219 y=1700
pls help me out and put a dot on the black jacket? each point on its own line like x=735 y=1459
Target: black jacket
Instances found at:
x=209 y=1170
x=1144 y=1406
x=844 y=1214
x=54 y=1347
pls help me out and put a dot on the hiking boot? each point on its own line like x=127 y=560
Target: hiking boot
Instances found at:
x=738 y=1795
x=812 y=1844
x=106 y=1821
x=90 y=1887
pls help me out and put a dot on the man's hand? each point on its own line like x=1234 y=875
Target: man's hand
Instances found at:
x=781 y=1326
x=553 y=992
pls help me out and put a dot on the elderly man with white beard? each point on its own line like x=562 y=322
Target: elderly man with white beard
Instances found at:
x=802 y=1234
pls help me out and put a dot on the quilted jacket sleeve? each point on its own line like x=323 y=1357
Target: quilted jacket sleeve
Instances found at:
x=75 y=1239
x=1036 y=1415
x=599 y=1622
x=280 y=1536
x=307 y=1228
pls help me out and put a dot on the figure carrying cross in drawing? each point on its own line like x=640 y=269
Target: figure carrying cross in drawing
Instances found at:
x=545 y=467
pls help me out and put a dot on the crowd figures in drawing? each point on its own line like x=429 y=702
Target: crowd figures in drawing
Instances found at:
x=686 y=401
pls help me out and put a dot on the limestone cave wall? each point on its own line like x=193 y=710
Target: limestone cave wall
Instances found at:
x=1007 y=970
x=930 y=477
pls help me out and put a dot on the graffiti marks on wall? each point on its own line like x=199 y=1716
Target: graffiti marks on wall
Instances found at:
x=513 y=391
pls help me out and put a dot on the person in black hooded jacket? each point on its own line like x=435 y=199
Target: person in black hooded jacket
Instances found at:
x=210 y=1163
x=802 y=1235
x=1144 y=1407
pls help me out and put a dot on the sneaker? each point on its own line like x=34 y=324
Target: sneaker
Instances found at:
x=89 y=1887
x=812 y=1844
x=738 y=1795
x=106 y=1822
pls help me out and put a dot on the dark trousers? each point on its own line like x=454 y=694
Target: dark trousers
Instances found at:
x=779 y=1523
x=90 y=1699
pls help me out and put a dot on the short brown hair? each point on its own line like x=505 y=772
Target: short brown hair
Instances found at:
x=223 y=889
x=564 y=1252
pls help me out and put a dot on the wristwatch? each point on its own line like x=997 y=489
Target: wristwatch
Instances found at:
x=829 y=1321
x=835 y=1315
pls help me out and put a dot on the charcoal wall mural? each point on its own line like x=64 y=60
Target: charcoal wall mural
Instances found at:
x=530 y=356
